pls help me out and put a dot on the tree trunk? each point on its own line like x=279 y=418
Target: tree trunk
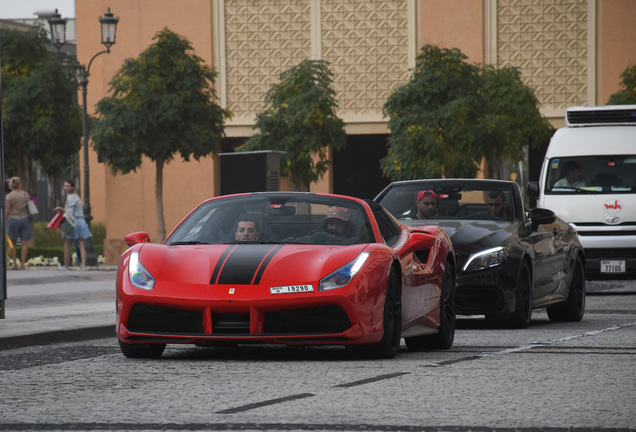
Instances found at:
x=161 y=223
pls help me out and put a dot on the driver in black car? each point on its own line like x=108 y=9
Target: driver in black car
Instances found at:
x=496 y=201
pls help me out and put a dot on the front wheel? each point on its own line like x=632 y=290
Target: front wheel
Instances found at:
x=445 y=336
x=523 y=304
x=141 y=350
x=573 y=308
x=389 y=346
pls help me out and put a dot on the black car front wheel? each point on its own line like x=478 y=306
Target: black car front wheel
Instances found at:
x=523 y=303
x=573 y=308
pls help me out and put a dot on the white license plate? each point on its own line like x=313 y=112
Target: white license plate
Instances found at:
x=613 y=266
x=291 y=289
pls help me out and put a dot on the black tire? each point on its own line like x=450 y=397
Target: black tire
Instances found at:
x=141 y=350
x=573 y=308
x=389 y=346
x=446 y=335
x=523 y=304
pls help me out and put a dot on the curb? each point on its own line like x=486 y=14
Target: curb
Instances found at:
x=57 y=336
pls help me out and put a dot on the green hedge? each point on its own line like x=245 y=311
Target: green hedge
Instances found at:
x=51 y=252
x=49 y=243
x=45 y=237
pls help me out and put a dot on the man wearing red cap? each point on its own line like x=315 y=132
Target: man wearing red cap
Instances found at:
x=426 y=204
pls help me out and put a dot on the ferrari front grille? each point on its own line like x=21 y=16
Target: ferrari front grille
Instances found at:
x=319 y=319
x=154 y=319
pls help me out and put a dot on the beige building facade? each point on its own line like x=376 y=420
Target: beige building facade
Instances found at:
x=571 y=52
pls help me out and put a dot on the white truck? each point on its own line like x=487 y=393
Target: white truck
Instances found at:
x=588 y=178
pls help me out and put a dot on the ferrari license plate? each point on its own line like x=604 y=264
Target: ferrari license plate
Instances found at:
x=291 y=289
x=613 y=266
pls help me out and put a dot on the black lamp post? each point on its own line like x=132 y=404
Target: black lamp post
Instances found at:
x=58 y=38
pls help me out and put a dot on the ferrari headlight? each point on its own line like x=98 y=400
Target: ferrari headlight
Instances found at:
x=486 y=259
x=344 y=274
x=137 y=273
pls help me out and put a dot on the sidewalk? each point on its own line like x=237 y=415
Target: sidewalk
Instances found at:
x=45 y=305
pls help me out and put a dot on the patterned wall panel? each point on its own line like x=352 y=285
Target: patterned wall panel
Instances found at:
x=366 y=43
x=547 y=41
x=263 y=38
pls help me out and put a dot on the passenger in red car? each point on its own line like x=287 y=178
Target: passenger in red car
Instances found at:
x=247 y=230
x=337 y=219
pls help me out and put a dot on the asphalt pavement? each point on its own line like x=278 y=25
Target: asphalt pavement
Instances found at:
x=45 y=305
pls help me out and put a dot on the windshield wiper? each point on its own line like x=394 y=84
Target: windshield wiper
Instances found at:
x=189 y=242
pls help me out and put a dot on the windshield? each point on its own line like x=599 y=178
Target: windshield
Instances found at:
x=591 y=174
x=450 y=200
x=275 y=218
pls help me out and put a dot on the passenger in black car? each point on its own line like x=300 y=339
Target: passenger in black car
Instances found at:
x=497 y=204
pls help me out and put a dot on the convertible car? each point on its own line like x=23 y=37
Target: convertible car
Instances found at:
x=288 y=268
x=509 y=261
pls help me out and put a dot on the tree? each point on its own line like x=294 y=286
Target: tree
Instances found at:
x=300 y=119
x=434 y=119
x=627 y=94
x=512 y=119
x=163 y=103
x=42 y=122
x=451 y=115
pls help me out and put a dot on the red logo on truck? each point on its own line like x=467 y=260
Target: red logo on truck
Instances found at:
x=613 y=206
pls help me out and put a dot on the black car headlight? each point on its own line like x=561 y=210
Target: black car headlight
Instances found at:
x=137 y=273
x=344 y=274
x=486 y=259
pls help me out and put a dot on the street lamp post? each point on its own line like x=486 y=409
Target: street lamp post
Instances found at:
x=58 y=39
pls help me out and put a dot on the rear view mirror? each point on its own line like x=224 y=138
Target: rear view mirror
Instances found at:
x=418 y=241
x=137 y=237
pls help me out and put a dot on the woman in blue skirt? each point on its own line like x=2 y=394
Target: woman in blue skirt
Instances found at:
x=73 y=209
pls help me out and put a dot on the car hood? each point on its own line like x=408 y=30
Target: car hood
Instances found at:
x=473 y=236
x=245 y=263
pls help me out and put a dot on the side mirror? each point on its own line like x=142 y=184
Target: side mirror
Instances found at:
x=533 y=189
x=137 y=237
x=418 y=241
x=541 y=216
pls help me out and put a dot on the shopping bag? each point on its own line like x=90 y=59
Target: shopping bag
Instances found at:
x=66 y=226
x=56 y=221
x=9 y=243
x=33 y=211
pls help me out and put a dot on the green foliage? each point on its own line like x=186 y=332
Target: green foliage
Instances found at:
x=512 y=119
x=434 y=119
x=44 y=237
x=42 y=121
x=627 y=94
x=162 y=103
x=300 y=119
x=451 y=115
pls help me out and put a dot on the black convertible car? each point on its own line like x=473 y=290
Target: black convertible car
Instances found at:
x=509 y=260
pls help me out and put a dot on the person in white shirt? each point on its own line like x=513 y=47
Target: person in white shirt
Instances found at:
x=573 y=176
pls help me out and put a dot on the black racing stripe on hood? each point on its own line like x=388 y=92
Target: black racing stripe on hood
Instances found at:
x=219 y=264
x=243 y=262
x=266 y=261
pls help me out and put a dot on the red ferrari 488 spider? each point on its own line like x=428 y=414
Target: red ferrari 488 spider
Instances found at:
x=288 y=268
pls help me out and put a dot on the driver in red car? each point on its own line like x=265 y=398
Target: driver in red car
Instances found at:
x=247 y=229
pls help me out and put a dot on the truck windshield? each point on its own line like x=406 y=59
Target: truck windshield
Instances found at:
x=592 y=174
